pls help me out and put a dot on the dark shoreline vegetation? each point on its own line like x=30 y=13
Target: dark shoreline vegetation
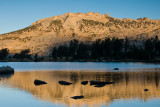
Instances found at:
x=108 y=50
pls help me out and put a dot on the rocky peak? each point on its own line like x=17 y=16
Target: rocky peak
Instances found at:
x=46 y=33
x=107 y=15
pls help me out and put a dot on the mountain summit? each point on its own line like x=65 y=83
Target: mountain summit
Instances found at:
x=43 y=35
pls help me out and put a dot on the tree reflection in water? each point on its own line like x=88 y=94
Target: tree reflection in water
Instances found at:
x=128 y=86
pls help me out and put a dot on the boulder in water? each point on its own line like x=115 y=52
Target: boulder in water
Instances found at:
x=99 y=83
x=116 y=69
x=84 y=82
x=39 y=82
x=6 y=70
x=78 y=97
x=146 y=90
x=64 y=83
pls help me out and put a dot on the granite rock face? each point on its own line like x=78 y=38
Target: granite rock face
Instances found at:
x=43 y=35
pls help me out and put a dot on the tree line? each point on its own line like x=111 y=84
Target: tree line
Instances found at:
x=23 y=54
x=110 y=48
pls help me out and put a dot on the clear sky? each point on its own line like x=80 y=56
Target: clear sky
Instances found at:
x=18 y=14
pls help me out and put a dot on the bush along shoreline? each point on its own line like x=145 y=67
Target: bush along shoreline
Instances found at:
x=108 y=50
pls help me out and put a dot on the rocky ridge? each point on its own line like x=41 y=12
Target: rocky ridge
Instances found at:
x=43 y=35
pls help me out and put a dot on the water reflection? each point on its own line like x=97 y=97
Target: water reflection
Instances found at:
x=128 y=86
x=5 y=76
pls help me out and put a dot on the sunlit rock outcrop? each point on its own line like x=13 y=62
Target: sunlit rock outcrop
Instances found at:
x=46 y=33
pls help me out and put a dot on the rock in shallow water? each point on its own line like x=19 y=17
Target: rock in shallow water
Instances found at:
x=84 y=82
x=6 y=70
x=99 y=83
x=39 y=82
x=78 y=97
x=64 y=83
x=146 y=90
x=116 y=69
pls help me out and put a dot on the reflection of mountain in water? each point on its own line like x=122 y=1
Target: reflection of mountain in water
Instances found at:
x=128 y=85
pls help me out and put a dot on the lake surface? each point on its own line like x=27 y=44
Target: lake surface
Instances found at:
x=127 y=89
x=41 y=66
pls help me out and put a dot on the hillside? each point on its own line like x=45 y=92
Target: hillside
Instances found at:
x=43 y=35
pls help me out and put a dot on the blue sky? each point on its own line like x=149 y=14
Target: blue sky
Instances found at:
x=18 y=14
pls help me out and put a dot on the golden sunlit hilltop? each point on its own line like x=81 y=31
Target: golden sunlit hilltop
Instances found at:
x=43 y=35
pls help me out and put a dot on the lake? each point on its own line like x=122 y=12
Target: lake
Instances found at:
x=134 y=84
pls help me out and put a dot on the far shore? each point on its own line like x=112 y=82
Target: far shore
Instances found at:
x=78 y=60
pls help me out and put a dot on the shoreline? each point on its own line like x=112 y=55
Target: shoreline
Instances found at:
x=81 y=60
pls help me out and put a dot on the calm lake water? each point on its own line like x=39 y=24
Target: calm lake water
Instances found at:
x=127 y=89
